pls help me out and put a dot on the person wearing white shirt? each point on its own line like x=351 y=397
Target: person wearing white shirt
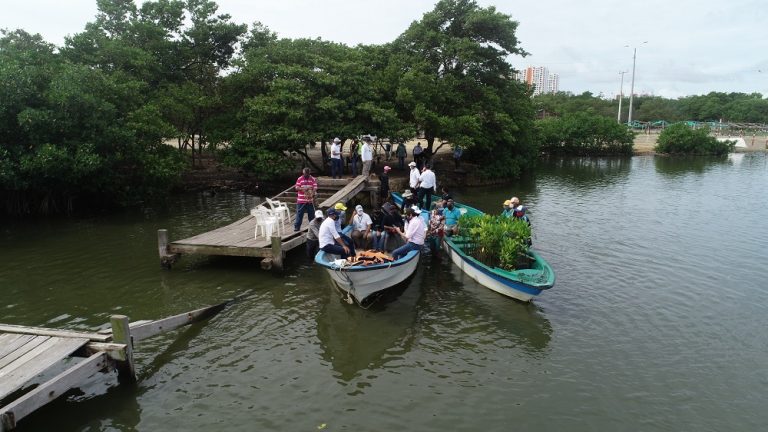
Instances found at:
x=361 y=228
x=415 y=233
x=427 y=183
x=330 y=240
x=336 y=158
x=413 y=180
x=367 y=156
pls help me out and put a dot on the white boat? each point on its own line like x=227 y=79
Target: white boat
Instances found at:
x=360 y=282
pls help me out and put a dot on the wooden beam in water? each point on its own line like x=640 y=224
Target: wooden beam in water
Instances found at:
x=152 y=328
x=50 y=390
x=121 y=333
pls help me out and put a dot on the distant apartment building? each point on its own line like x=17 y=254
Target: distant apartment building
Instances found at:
x=540 y=78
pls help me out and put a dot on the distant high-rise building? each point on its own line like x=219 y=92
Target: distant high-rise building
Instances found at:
x=540 y=78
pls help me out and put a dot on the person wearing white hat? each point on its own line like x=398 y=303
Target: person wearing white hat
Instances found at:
x=367 y=156
x=336 y=158
x=361 y=228
x=413 y=179
x=313 y=234
x=408 y=199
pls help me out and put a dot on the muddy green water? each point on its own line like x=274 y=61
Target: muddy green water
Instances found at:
x=657 y=321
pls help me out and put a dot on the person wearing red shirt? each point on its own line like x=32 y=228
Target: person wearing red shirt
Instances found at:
x=306 y=188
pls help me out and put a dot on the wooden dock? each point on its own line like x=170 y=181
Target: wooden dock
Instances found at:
x=26 y=353
x=239 y=239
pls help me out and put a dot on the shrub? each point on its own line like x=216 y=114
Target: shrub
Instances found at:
x=584 y=134
x=494 y=240
x=681 y=139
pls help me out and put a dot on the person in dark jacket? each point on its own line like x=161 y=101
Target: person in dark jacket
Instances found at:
x=384 y=185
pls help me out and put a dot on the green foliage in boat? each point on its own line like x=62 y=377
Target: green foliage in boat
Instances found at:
x=495 y=240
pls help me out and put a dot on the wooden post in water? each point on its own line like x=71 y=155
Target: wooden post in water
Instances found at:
x=121 y=333
x=166 y=259
x=277 y=252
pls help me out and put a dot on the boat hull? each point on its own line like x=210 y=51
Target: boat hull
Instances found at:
x=488 y=279
x=363 y=281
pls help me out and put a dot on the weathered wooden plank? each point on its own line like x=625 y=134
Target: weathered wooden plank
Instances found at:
x=115 y=351
x=42 y=331
x=9 y=342
x=35 y=362
x=23 y=350
x=221 y=250
x=108 y=331
x=153 y=328
x=11 y=414
x=348 y=191
x=298 y=241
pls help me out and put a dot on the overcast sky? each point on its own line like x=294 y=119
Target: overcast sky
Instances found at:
x=693 y=46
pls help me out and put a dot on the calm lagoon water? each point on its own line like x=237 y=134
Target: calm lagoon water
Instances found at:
x=657 y=321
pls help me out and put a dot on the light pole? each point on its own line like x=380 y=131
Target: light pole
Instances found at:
x=621 y=95
x=632 y=87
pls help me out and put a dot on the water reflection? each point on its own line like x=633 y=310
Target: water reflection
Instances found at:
x=484 y=318
x=675 y=166
x=355 y=339
x=586 y=172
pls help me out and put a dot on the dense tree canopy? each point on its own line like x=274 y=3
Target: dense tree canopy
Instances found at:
x=89 y=121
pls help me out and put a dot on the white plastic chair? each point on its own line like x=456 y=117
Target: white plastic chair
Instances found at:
x=266 y=222
x=279 y=209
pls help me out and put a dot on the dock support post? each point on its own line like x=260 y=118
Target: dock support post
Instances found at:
x=121 y=333
x=166 y=259
x=277 y=252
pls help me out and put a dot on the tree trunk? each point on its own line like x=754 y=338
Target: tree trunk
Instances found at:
x=306 y=157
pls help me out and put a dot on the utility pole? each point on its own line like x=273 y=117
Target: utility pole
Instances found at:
x=632 y=87
x=621 y=95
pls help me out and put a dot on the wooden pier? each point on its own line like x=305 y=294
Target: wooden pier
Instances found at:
x=26 y=353
x=239 y=239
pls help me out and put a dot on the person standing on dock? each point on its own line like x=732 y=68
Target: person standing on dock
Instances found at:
x=306 y=188
x=401 y=154
x=336 y=166
x=427 y=183
x=384 y=185
x=329 y=239
x=367 y=156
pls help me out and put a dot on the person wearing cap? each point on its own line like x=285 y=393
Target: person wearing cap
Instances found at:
x=367 y=156
x=414 y=235
x=341 y=210
x=451 y=214
x=401 y=153
x=507 y=209
x=427 y=183
x=362 y=224
x=313 y=234
x=330 y=240
x=336 y=166
x=306 y=188
x=413 y=179
x=384 y=185
x=408 y=199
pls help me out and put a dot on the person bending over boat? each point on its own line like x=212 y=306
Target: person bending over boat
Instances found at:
x=330 y=239
x=341 y=209
x=415 y=232
x=391 y=223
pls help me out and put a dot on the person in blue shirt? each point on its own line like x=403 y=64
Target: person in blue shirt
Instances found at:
x=451 y=214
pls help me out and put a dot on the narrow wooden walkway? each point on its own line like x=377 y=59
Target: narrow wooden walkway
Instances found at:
x=27 y=353
x=239 y=238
